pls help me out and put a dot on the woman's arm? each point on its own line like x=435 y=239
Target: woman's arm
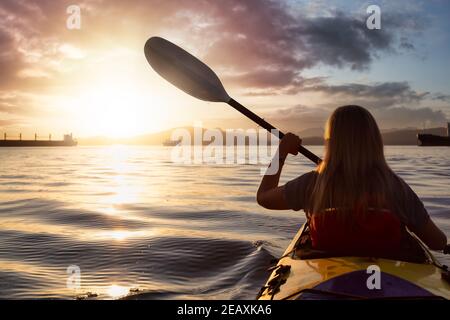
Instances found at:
x=420 y=222
x=269 y=195
x=432 y=236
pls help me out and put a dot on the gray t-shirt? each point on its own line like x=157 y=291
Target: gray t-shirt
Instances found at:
x=298 y=191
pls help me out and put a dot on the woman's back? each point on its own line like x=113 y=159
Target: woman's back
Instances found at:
x=376 y=229
x=353 y=200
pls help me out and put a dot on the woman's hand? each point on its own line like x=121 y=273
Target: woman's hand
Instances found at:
x=269 y=195
x=289 y=144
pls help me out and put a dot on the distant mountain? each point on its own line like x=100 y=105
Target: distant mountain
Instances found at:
x=409 y=136
x=311 y=136
x=395 y=137
x=311 y=132
x=157 y=138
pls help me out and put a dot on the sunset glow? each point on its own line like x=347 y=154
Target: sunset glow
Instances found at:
x=95 y=81
x=116 y=291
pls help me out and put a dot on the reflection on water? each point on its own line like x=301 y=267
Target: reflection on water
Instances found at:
x=115 y=291
x=131 y=219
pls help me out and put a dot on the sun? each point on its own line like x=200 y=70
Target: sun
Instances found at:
x=119 y=97
x=116 y=291
x=118 y=110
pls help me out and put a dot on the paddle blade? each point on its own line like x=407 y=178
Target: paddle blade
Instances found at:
x=184 y=71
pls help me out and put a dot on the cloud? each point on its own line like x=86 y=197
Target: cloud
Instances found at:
x=8 y=123
x=341 y=41
x=406 y=44
x=266 y=78
x=290 y=44
x=18 y=103
x=36 y=47
x=393 y=104
x=381 y=95
x=441 y=97
x=406 y=117
x=300 y=117
x=265 y=46
x=261 y=45
x=257 y=39
x=9 y=60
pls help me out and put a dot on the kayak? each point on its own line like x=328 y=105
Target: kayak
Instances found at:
x=305 y=274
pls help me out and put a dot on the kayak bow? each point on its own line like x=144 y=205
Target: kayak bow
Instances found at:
x=300 y=278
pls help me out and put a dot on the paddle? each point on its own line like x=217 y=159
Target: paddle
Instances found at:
x=189 y=74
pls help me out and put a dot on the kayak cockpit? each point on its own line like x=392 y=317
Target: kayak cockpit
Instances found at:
x=411 y=251
x=305 y=273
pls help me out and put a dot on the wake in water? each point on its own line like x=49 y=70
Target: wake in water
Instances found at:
x=149 y=252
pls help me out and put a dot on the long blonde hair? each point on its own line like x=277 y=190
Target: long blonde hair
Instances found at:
x=354 y=175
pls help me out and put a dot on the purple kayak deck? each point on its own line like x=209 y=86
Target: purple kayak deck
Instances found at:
x=355 y=284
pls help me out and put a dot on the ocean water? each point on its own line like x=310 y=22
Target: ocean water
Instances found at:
x=129 y=218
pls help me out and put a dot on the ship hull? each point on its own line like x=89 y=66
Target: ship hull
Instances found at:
x=430 y=140
x=36 y=143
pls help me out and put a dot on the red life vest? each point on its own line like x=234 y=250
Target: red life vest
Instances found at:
x=376 y=233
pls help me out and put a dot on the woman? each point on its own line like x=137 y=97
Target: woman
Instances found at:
x=353 y=201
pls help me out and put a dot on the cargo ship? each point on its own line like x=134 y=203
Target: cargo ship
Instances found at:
x=68 y=141
x=431 y=140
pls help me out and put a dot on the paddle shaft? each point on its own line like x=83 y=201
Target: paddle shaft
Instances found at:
x=239 y=107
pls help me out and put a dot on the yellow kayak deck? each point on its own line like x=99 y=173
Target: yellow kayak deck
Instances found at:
x=305 y=275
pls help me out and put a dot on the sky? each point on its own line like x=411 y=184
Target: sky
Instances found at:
x=293 y=62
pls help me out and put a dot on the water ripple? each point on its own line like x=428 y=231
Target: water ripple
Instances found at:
x=129 y=218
